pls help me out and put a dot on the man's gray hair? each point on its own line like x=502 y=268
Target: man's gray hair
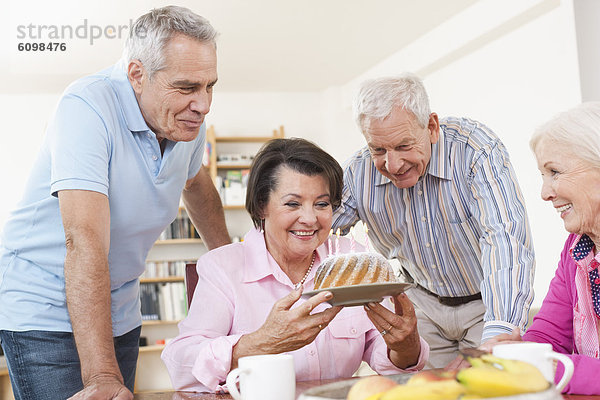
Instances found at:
x=577 y=131
x=377 y=98
x=152 y=31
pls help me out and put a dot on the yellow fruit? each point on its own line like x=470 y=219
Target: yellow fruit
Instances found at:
x=376 y=396
x=446 y=389
x=491 y=376
x=370 y=387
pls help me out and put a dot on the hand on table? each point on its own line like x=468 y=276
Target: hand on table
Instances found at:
x=103 y=388
x=398 y=329
x=513 y=337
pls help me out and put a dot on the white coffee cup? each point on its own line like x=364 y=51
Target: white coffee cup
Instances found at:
x=541 y=356
x=264 y=377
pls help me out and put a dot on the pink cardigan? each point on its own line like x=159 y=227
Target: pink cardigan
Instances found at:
x=554 y=324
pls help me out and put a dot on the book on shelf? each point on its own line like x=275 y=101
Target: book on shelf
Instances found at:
x=163 y=301
x=180 y=228
x=232 y=187
x=163 y=269
x=234 y=159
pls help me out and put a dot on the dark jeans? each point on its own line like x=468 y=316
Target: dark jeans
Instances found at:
x=45 y=365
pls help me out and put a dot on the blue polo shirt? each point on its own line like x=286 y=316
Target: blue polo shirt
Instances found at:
x=97 y=140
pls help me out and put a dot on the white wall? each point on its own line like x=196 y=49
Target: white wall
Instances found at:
x=24 y=118
x=510 y=64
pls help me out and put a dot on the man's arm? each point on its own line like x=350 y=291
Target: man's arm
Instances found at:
x=346 y=215
x=86 y=221
x=507 y=255
x=204 y=207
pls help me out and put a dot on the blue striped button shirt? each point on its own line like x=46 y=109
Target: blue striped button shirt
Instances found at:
x=462 y=229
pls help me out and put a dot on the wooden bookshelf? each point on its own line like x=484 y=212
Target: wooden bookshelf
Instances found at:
x=214 y=140
x=163 y=279
x=240 y=207
x=152 y=348
x=233 y=166
x=249 y=139
x=159 y=322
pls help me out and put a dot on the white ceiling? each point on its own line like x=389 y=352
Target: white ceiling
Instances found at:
x=264 y=45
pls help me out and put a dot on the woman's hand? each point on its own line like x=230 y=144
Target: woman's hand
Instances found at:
x=399 y=330
x=286 y=328
x=513 y=337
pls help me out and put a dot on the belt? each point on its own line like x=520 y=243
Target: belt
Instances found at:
x=444 y=300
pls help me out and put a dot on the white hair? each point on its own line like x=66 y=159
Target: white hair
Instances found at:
x=377 y=98
x=576 y=130
x=152 y=31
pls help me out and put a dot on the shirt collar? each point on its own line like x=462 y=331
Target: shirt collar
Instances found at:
x=131 y=109
x=581 y=247
x=262 y=264
x=440 y=164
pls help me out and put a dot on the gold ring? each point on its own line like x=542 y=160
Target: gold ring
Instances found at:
x=383 y=332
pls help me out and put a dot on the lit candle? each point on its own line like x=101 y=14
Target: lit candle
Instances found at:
x=329 y=247
x=337 y=242
x=367 y=239
x=352 y=244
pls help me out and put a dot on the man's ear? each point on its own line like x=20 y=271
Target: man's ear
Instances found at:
x=434 y=128
x=136 y=73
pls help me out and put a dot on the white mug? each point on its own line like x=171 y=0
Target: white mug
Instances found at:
x=541 y=356
x=264 y=377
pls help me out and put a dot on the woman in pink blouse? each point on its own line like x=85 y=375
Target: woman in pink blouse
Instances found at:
x=248 y=298
x=567 y=150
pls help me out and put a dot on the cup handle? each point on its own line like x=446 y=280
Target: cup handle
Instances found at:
x=230 y=382
x=568 y=367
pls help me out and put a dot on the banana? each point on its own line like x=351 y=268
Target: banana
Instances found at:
x=491 y=376
x=447 y=389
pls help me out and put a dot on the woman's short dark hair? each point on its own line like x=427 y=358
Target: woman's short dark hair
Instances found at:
x=299 y=155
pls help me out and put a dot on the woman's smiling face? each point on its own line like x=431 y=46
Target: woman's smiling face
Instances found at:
x=298 y=215
x=572 y=185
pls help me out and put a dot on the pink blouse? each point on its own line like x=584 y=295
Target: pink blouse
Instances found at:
x=237 y=287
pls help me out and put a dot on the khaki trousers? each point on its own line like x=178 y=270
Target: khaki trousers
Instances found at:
x=446 y=329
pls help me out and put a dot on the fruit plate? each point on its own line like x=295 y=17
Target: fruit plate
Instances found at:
x=339 y=391
x=358 y=295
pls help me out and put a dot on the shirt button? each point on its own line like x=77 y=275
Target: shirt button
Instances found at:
x=154 y=157
x=423 y=219
x=353 y=331
x=434 y=266
x=428 y=245
x=420 y=192
x=312 y=352
x=149 y=135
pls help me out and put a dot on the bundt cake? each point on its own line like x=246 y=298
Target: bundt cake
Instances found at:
x=353 y=269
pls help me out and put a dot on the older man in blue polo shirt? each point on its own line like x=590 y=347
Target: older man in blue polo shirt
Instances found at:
x=121 y=147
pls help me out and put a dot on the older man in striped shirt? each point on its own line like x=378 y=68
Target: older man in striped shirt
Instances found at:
x=442 y=197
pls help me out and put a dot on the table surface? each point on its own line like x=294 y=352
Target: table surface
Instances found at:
x=300 y=387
